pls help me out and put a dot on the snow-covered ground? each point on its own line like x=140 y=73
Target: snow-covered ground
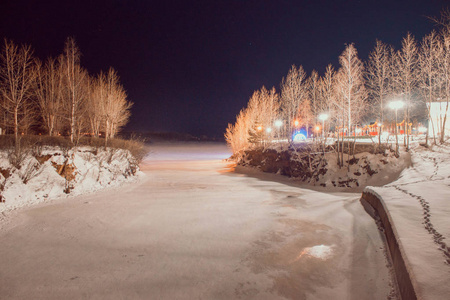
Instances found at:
x=54 y=173
x=193 y=229
x=419 y=206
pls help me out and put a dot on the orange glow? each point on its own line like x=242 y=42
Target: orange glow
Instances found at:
x=259 y=128
x=296 y=122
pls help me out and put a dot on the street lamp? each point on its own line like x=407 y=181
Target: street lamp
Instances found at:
x=396 y=105
x=323 y=117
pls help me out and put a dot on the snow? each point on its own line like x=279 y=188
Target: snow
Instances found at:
x=193 y=228
x=38 y=181
x=418 y=203
x=359 y=170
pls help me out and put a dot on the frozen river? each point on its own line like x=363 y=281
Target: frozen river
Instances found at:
x=192 y=228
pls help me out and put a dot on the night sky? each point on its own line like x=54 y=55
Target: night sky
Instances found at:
x=190 y=66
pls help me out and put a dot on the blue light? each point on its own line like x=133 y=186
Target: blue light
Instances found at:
x=299 y=137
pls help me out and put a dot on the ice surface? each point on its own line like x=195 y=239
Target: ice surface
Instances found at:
x=194 y=229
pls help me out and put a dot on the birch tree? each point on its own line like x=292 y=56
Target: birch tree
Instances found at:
x=293 y=93
x=352 y=93
x=48 y=93
x=17 y=75
x=352 y=87
x=115 y=107
x=314 y=95
x=431 y=52
x=75 y=85
x=378 y=74
x=406 y=78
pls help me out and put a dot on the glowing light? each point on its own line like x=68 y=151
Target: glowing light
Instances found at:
x=269 y=130
x=396 y=104
x=278 y=123
x=299 y=137
x=323 y=117
x=259 y=128
x=296 y=122
x=317 y=128
x=380 y=124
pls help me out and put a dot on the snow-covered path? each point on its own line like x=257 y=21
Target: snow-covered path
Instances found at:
x=192 y=229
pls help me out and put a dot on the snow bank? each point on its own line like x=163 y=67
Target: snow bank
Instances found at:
x=54 y=173
x=418 y=204
x=317 y=169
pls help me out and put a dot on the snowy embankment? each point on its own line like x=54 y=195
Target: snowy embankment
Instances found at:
x=316 y=169
x=417 y=206
x=53 y=172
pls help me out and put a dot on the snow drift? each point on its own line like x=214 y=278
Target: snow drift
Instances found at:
x=53 y=172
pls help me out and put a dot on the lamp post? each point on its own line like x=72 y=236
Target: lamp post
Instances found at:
x=278 y=124
x=323 y=117
x=396 y=105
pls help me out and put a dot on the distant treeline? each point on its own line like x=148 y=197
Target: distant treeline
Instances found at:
x=358 y=91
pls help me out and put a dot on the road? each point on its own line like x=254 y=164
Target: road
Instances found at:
x=194 y=228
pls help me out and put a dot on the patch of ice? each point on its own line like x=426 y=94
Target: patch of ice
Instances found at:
x=323 y=252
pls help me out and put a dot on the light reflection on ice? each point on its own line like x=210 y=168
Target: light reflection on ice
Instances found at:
x=323 y=252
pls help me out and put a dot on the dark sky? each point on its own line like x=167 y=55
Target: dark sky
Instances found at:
x=190 y=66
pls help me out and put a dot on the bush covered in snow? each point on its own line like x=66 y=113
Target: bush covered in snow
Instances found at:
x=47 y=172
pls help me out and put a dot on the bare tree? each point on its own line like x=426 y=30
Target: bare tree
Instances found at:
x=351 y=88
x=314 y=95
x=293 y=93
x=75 y=85
x=48 y=94
x=115 y=107
x=17 y=75
x=406 y=78
x=430 y=55
x=352 y=84
x=327 y=92
x=378 y=79
x=95 y=107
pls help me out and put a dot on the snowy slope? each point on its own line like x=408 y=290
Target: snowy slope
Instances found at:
x=54 y=173
x=419 y=206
